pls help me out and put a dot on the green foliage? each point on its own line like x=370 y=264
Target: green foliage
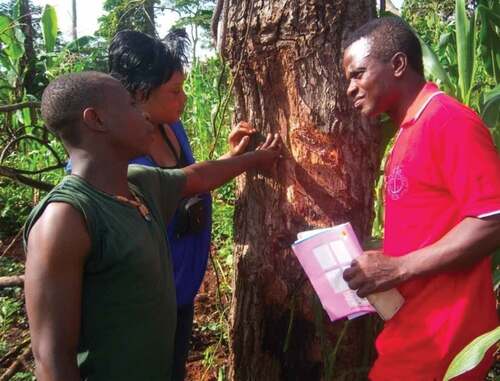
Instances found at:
x=490 y=37
x=25 y=145
x=460 y=53
x=202 y=88
x=10 y=311
x=11 y=38
x=466 y=47
x=472 y=354
x=193 y=12
x=11 y=305
x=15 y=206
x=9 y=266
x=12 y=49
x=127 y=14
x=23 y=376
x=195 y=16
x=496 y=269
x=49 y=28
x=11 y=315
x=490 y=105
x=429 y=18
x=85 y=53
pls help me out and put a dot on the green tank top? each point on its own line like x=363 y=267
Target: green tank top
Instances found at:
x=128 y=298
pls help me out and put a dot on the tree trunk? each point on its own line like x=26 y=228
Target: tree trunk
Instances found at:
x=286 y=57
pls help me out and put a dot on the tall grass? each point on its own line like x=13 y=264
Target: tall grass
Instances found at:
x=201 y=86
x=208 y=130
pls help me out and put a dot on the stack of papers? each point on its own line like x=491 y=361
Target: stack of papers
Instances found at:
x=324 y=255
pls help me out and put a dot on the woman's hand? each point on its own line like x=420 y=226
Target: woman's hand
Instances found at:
x=238 y=139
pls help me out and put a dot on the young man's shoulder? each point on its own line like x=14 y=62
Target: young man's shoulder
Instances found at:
x=153 y=178
x=65 y=197
x=163 y=188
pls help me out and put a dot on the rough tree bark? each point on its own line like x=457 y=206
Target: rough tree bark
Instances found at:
x=286 y=59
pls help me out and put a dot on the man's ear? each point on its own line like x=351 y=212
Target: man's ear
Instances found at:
x=399 y=63
x=92 y=120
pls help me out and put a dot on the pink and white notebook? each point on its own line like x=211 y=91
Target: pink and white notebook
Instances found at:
x=325 y=254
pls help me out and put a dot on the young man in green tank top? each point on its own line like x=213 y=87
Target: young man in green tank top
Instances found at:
x=99 y=288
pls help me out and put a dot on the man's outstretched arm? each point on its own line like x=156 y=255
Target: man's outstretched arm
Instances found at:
x=464 y=245
x=57 y=247
x=208 y=175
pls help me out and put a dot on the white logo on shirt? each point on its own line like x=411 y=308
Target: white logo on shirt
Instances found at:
x=397 y=183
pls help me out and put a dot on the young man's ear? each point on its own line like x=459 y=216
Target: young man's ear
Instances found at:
x=92 y=120
x=399 y=64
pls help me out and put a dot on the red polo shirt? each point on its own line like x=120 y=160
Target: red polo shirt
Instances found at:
x=444 y=167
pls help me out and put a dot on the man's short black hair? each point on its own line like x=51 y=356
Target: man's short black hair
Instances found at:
x=65 y=99
x=390 y=35
x=142 y=63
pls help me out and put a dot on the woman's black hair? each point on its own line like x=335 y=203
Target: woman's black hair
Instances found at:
x=142 y=63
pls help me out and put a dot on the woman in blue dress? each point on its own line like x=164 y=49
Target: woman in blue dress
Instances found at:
x=153 y=72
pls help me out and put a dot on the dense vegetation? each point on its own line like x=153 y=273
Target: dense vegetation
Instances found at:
x=462 y=55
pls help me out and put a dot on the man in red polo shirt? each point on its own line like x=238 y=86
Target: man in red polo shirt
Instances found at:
x=442 y=217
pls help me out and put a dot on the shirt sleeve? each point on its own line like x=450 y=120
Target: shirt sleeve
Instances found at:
x=172 y=183
x=470 y=165
x=164 y=186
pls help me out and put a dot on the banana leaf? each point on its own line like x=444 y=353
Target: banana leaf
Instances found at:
x=49 y=27
x=11 y=39
x=490 y=40
x=490 y=108
x=80 y=43
x=472 y=354
x=465 y=28
x=435 y=70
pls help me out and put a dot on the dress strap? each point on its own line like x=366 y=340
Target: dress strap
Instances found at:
x=171 y=146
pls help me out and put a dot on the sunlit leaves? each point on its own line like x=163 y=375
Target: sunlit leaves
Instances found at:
x=49 y=27
x=472 y=354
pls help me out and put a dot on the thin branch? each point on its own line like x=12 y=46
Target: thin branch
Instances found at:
x=11 y=281
x=44 y=130
x=14 y=351
x=16 y=365
x=18 y=106
x=11 y=244
x=231 y=86
x=214 y=25
x=12 y=173
x=30 y=137
x=163 y=9
x=40 y=171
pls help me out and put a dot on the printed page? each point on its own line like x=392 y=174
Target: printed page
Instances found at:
x=324 y=256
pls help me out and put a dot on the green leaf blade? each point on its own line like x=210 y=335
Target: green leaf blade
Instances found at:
x=465 y=36
x=434 y=68
x=49 y=27
x=472 y=354
x=490 y=110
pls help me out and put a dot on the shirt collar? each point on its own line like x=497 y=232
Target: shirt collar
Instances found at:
x=419 y=104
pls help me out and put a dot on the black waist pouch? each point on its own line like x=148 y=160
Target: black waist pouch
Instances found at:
x=191 y=216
